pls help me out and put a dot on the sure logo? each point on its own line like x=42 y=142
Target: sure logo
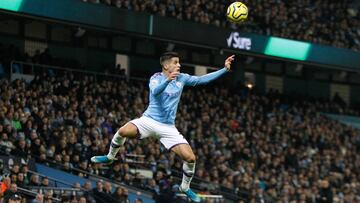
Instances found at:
x=237 y=42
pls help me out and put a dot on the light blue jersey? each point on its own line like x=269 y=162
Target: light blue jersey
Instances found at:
x=165 y=95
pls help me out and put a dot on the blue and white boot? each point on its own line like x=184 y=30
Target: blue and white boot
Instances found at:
x=102 y=159
x=190 y=194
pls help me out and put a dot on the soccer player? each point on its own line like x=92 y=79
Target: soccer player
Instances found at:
x=159 y=118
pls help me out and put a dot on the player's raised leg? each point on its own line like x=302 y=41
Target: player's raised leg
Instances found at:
x=129 y=130
x=189 y=160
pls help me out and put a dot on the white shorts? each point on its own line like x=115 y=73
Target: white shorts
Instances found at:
x=169 y=134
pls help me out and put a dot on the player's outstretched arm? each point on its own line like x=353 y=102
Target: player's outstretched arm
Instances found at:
x=199 y=80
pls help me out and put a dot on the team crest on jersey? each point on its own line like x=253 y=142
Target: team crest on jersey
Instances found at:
x=179 y=84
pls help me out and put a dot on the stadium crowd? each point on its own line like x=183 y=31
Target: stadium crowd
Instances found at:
x=19 y=176
x=256 y=146
x=334 y=23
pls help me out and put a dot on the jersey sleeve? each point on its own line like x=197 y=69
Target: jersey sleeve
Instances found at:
x=191 y=80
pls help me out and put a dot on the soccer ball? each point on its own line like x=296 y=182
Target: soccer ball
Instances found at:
x=237 y=12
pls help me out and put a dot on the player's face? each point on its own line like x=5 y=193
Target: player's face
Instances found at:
x=173 y=65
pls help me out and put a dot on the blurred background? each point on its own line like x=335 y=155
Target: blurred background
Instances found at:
x=283 y=126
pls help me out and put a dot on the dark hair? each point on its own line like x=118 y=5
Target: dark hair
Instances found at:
x=167 y=55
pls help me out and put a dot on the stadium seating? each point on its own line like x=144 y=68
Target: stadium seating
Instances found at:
x=257 y=147
x=300 y=20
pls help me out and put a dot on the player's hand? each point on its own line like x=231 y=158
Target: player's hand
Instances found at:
x=228 y=62
x=173 y=75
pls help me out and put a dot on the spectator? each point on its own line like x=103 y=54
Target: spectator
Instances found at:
x=138 y=200
x=20 y=181
x=117 y=193
x=38 y=199
x=15 y=169
x=45 y=182
x=82 y=200
x=108 y=188
x=99 y=193
x=325 y=192
x=10 y=192
x=25 y=171
x=21 y=149
x=124 y=196
x=15 y=198
x=35 y=180
x=88 y=193
x=5 y=184
x=5 y=142
x=77 y=185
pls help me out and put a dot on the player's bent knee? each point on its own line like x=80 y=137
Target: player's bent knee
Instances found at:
x=190 y=158
x=125 y=132
x=122 y=132
x=129 y=130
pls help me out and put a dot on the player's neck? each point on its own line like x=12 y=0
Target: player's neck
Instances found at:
x=166 y=73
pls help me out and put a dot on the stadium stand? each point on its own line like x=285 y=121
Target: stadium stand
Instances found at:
x=250 y=147
x=269 y=147
x=324 y=22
